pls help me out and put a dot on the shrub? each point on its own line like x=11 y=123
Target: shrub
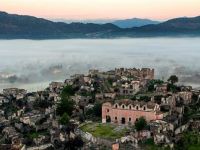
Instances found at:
x=140 y=124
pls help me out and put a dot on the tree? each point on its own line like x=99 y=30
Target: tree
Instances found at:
x=65 y=106
x=95 y=112
x=189 y=140
x=67 y=91
x=173 y=79
x=140 y=124
x=64 y=120
x=110 y=81
x=171 y=87
x=152 y=83
x=97 y=109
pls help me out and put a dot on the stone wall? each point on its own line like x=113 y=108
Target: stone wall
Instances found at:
x=144 y=73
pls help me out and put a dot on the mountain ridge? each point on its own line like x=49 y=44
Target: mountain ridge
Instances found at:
x=133 y=22
x=13 y=26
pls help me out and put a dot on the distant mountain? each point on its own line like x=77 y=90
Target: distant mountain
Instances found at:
x=126 y=23
x=183 y=23
x=174 y=27
x=17 y=26
x=96 y=21
x=135 y=22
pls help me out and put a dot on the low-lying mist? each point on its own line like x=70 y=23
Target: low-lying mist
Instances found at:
x=33 y=64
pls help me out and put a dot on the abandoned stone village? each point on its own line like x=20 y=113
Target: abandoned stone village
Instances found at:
x=124 y=108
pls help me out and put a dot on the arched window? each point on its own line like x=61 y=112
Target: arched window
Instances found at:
x=115 y=118
x=137 y=107
x=123 y=106
x=130 y=107
x=144 y=108
x=129 y=119
x=115 y=105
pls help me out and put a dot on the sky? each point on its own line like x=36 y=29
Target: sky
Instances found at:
x=103 y=9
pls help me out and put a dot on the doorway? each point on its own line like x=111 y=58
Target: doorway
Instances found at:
x=123 y=120
x=108 y=119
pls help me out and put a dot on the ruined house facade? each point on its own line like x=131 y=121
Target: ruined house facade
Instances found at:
x=15 y=93
x=130 y=89
x=128 y=111
x=144 y=73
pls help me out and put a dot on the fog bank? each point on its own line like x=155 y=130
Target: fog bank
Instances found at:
x=32 y=64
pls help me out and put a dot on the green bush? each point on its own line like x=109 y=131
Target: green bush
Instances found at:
x=65 y=106
x=64 y=120
x=152 y=83
x=140 y=124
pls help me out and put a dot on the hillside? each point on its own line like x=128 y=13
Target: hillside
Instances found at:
x=174 y=27
x=17 y=26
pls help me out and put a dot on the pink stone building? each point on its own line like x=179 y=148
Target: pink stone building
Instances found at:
x=128 y=111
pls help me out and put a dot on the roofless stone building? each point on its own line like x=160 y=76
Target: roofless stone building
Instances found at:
x=127 y=111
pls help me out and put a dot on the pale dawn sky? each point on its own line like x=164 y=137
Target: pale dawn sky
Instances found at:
x=103 y=9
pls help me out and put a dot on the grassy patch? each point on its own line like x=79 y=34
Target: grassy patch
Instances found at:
x=104 y=130
x=194 y=147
